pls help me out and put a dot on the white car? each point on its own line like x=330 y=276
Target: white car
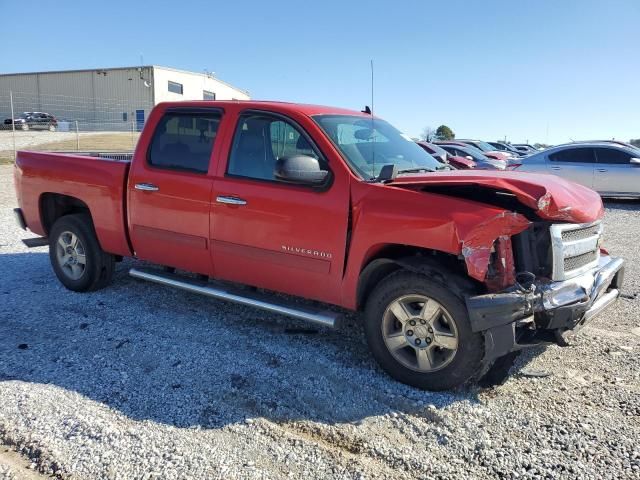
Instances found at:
x=611 y=169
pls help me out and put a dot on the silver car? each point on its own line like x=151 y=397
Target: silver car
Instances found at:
x=610 y=169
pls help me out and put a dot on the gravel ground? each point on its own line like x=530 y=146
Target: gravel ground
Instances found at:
x=140 y=381
x=14 y=466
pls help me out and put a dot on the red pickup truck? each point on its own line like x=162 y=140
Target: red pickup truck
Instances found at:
x=453 y=271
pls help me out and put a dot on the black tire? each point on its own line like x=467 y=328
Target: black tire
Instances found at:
x=466 y=361
x=99 y=265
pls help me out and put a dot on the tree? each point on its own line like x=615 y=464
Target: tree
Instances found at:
x=444 y=133
x=428 y=134
x=635 y=142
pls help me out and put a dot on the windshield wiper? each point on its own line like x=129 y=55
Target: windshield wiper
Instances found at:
x=416 y=170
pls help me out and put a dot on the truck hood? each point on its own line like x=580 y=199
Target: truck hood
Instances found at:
x=548 y=196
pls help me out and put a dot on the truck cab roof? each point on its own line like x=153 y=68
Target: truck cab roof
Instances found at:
x=284 y=107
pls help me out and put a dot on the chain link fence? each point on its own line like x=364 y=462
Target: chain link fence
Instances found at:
x=46 y=122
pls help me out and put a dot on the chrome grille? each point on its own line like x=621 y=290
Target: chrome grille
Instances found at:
x=578 y=261
x=576 y=249
x=581 y=233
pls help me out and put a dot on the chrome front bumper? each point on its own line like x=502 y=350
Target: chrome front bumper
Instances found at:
x=516 y=319
x=554 y=305
x=571 y=303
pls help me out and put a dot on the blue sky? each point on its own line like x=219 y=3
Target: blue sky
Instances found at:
x=528 y=70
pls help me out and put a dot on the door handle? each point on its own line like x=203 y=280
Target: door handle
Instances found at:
x=555 y=168
x=146 y=187
x=230 y=200
x=602 y=170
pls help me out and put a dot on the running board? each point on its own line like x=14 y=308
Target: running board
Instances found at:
x=322 y=317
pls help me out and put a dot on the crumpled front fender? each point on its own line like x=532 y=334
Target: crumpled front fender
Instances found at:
x=477 y=244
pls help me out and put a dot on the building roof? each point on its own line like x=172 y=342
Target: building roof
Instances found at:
x=76 y=70
x=136 y=67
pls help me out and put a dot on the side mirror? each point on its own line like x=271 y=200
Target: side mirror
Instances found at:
x=469 y=157
x=635 y=161
x=300 y=169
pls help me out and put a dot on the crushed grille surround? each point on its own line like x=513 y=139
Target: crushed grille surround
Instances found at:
x=576 y=248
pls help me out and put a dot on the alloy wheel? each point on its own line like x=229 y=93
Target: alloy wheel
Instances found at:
x=420 y=333
x=70 y=253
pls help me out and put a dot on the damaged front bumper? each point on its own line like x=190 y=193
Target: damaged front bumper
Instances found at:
x=515 y=319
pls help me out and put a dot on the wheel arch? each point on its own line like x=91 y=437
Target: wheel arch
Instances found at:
x=447 y=268
x=52 y=206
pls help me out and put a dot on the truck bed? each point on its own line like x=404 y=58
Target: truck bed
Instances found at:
x=98 y=179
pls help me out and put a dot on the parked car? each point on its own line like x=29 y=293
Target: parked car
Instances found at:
x=482 y=162
x=338 y=207
x=439 y=153
x=487 y=148
x=505 y=147
x=525 y=148
x=608 y=168
x=35 y=120
x=492 y=155
x=615 y=142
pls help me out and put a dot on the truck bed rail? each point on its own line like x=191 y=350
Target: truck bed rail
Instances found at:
x=119 y=156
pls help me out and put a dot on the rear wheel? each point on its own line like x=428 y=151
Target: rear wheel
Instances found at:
x=52 y=128
x=419 y=332
x=25 y=127
x=76 y=257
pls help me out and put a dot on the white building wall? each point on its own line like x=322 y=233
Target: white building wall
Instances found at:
x=102 y=99
x=193 y=84
x=106 y=99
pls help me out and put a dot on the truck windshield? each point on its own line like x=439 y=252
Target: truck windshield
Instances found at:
x=369 y=144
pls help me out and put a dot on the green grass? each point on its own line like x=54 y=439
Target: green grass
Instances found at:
x=103 y=142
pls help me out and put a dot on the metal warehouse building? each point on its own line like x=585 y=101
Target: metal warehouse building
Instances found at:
x=108 y=98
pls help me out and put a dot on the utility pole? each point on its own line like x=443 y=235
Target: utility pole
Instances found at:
x=13 y=126
x=546 y=139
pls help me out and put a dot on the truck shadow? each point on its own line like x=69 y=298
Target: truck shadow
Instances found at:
x=153 y=353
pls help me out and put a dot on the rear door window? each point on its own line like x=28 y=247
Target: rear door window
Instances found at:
x=184 y=141
x=574 y=155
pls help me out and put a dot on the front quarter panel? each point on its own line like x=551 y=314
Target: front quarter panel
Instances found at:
x=385 y=215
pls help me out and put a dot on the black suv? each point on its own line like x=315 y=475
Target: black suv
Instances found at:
x=33 y=120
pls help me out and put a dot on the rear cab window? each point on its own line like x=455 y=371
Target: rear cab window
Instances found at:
x=184 y=140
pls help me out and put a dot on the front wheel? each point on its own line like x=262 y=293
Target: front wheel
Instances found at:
x=76 y=257
x=418 y=330
x=52 y=128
